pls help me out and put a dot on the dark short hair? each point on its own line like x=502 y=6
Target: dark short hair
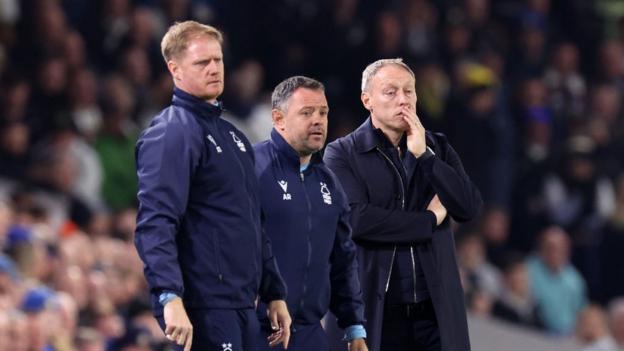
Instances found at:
x=284 y=90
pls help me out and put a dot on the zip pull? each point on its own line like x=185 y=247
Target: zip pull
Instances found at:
x=301 y=176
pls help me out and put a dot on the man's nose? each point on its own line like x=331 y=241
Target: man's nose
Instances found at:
x=213 y=68
x=403 y=98
x=318 y=118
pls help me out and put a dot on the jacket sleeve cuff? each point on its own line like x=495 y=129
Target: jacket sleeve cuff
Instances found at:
x=433 y=218
x=426 y=161
x=166 y=296
x=353 y=332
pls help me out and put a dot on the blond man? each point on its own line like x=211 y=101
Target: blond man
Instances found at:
x=198 y=225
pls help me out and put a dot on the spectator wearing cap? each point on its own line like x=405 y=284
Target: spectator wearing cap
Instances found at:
x=477 y=110
x=38 y=304
x=9 y=279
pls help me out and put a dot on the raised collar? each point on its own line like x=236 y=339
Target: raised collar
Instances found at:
x=288 y=153
x=203 y=108
x=367 y=138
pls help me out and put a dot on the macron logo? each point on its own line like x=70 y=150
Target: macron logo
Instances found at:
x=284 y=185
x=212 y=140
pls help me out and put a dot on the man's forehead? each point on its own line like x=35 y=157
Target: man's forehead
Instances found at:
x=393 y=75
x=309 y=97
x=204 y=44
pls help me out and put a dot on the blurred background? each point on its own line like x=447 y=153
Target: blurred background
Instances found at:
x=529 y=92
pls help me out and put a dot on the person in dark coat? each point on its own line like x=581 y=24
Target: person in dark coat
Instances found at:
x=307 y=219
x=199 y=234
x=402 y=181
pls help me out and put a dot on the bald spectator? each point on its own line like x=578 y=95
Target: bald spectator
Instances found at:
x=18 y=331
x=592 y=330
x=558 y=287
x=89 y=339
x=616 y=321
x=4 y=330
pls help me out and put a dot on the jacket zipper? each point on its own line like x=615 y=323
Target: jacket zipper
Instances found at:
x=413 y=271
x=402 y=208
x=309 y=244
x=245 y=182
x=217 y=253
x=411 y=247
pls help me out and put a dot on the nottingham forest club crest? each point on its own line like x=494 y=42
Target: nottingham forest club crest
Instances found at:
x=326 y=193
x=238 y=141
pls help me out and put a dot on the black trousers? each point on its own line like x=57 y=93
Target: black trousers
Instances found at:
x=410 y=327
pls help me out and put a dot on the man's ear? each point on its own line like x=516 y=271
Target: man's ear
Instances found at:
x=174 y=69
x=366 y=100
x=278 y=119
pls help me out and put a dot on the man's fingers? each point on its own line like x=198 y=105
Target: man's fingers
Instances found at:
x=169 y=329
x=273 y=319
x=179 y=335
x=189 y=341
x=181 y=339
x=275 y=338
x=410 y=124
x=286 y=338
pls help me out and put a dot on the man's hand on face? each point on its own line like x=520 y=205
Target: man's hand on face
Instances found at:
x=416 y=142
x=280 y=323
x=178 y=327
x=358 y=345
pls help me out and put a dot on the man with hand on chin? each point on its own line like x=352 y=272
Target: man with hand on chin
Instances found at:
x=402 y=183
x=307 y=218
x=199 y=234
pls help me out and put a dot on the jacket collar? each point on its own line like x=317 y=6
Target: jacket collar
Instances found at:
x=202 y=107
x=288 y=153
x=367 y=138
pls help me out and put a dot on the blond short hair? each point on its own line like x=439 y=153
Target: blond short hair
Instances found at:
x=177 y=37
x=373 y=68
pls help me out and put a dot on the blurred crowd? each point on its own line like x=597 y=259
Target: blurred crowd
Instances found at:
x=529 y=92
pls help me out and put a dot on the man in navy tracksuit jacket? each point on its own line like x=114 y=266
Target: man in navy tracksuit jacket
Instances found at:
x=306 y=216
x=198 y=232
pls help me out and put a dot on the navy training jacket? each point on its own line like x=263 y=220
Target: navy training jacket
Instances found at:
x=307 y=219
x=198 y=229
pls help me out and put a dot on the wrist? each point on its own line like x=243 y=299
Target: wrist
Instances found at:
x=354 y=332
x=427 y=153
x=166 y=297
x=276 y=303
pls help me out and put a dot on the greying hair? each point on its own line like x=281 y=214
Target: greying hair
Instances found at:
x=371 y=70
x=177 y=37
x=284 y=90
